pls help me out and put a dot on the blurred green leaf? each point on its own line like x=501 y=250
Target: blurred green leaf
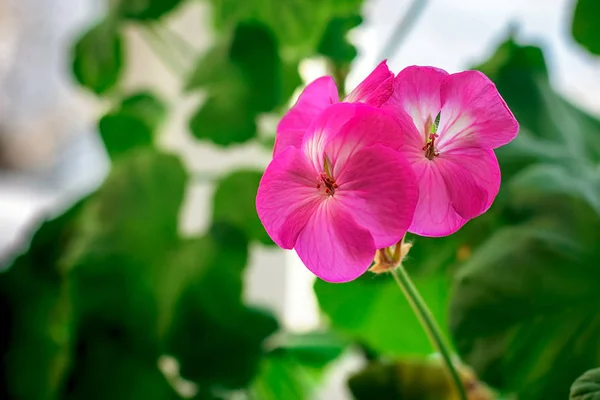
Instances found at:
x=234 y=202
x=217 y=339
x=242 y=79
x=223 y=122
x=121 y=133
x=524 y=311
x=123 y=236
x=36 y=319
x=254 y=50
x=412 y=379
x=372 y=310
x=98 y=57
x=584 y=26
x=146 y=107
x=293 y=369
x=587 y=386
x=282 y=378
x=304 y=20
x=313 y=349
x=132 y=125
x=334 y=43
x=106 y=368
x=146 y=9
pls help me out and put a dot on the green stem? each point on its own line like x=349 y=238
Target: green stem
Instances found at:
x=429 y=325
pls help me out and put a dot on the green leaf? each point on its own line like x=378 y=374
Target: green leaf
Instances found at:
x=412 y=379
x=293 y=369
x=585 y=27
x=334 y=43
x=224 y=121
x=298 y=24
x=587 y=386
x=147 y=9
x=372 y=310
x=211 y=326
x=146 y=107
x=121 y=133
x=524 y=311
x=255 y=52
x=132 y=125
x=36 y=319
x=122 y=239
x=313 y=349
x=98 y=57
x=555 y=179
x=244 y=78
x=234 y=202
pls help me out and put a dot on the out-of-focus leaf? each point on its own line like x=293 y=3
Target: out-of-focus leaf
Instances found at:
x=146 y=107
x=132 y=125
x=122 y=240
x=293 y=369
x=36 y=322
x=584 y=26
x=234 y=202
x=121 y=133
x=242 y=79
x=304 y=21
x=552 y=179
x=587 y=386
x=216 y=338
x=413 y=379
x=146 y=9
x=334 y=43
x=373 y=310
x=314 y=349
x=224 y=121
x=98 y=57
x=280 y=377
x=106 y=368
x=524 y=311
x=254 y=50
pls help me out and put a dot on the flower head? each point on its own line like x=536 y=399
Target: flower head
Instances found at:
x=342 y=193
x=457 y=120
x=375 y=90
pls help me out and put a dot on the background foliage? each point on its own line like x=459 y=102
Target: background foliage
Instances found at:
x=110 y=287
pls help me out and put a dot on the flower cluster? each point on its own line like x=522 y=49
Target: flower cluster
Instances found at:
x=407 y=152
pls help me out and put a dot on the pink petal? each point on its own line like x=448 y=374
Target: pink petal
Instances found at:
x=417 y=91
x=315 y=98
x=367 y=127
x=473 y=113
x=376 y=89
x=456 y=186
x=287 y=196
x=434 y=215
x=326 y=126
x=379 y=190
x=472 y=176
x=333 y=246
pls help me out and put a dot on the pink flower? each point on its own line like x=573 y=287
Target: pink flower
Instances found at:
x=456 y=168
x=342 y=193
x=375 y=90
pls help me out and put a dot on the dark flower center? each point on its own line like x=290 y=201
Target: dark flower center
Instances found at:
x=328 y=183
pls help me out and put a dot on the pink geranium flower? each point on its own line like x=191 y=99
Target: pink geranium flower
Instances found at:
x=375 y=90
x=458 y=120
x=341 y=193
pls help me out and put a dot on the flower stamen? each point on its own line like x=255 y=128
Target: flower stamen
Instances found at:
x=329 y=183
x=429 y=148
